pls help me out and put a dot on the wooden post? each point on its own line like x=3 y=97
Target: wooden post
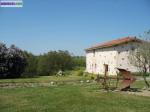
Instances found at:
x=105 y=77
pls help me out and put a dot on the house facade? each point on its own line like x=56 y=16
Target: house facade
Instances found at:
x=114 y=54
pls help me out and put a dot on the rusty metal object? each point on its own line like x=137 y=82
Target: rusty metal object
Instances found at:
x=128 y=79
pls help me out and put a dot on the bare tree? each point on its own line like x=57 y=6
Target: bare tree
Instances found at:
x=141 y=56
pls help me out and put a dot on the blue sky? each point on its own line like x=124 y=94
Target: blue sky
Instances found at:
x=43 y=25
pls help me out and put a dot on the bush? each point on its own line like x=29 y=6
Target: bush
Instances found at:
x=80 y=73
x=90 y=75
x=140 y=74
x=78 y=68
x=67 y=73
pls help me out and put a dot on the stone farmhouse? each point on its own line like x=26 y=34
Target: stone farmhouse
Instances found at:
x=113 y=54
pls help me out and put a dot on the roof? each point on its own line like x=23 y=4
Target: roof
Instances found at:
x=114 y=43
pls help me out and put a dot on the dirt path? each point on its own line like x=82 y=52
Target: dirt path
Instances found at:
x=139 y=93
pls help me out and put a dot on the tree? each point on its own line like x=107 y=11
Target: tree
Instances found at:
x=16 y=62
x=53 y=61
x=141 y=56
x=12 y=62
x=79 y=61
x=3 y=60
x=43 y=66
x=31 y=67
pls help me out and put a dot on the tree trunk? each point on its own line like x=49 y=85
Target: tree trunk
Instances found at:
x=145 y=80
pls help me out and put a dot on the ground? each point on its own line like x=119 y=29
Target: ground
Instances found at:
x=69 y=94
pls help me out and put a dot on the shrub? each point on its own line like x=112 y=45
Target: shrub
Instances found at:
x=80 y=73
x=90 y=75
x=140 y=74
x=67 y=72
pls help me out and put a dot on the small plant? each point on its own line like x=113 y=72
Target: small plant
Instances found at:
x=85 y=74
x=92 y=77
x=80 y=73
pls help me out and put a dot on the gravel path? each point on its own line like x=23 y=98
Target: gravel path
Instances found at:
x=139 y=93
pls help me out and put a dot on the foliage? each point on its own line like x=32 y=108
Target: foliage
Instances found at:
x=50 y=63
x=31 y=68
x=90 y=75
x=15 y=63
x=3 y=60
x=53 y=61
x=80 y=72
x=139 y=74
x=12 y=61
x=79 y=61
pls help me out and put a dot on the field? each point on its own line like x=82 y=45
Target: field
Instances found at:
x=67 y=95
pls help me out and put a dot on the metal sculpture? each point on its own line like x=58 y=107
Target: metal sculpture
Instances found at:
x=128 y=79
x=124 y=75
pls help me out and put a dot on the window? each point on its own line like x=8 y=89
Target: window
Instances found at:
x=94 y=53
x=95 y=66
x=132 y=48
x=122 y=58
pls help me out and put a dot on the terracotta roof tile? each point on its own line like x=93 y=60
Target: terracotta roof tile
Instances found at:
x=113 y=43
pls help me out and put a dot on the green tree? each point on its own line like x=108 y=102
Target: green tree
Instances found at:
x=31 y=68
x=53 y=61
x=43 y=65
x=16 y=62
x=3 y=60
x=79 y=61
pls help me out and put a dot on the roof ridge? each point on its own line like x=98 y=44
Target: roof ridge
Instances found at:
x=114 y=42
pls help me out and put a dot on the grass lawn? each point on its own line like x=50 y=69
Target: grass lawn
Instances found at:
x=69 y=98
x=84 y=97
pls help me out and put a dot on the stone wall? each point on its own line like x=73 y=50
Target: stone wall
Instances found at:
x=116 y=56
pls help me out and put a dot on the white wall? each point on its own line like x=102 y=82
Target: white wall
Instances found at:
x=117 y=56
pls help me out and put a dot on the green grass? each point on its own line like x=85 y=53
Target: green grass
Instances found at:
x=69 y=98
x=139 y=84
x=44 y=79
x=86 y=97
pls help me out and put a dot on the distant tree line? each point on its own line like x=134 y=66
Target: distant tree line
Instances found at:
x=50 y=63
x=16 y=63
